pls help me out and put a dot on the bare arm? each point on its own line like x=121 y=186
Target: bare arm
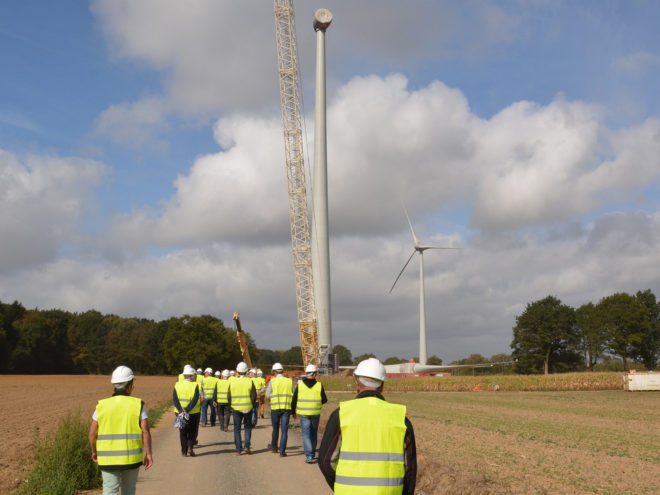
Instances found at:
x=93 y=432
x=146 y=440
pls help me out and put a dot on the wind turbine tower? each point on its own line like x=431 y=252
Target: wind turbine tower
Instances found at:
x=419 y=248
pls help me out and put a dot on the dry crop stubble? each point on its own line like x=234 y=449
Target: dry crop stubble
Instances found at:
x=37 y=402
x=534 y=442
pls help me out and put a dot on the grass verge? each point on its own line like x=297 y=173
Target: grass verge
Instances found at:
x=63 y=464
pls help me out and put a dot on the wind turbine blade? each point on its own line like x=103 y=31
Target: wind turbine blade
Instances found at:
x=401 y=272
x=410 y=223
x=437 y=247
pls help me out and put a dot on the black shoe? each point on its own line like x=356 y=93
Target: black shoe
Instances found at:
x=282 y=454
x=191 y=453
x=272 y=449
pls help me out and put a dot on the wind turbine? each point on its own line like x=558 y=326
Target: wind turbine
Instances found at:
x=419 y=248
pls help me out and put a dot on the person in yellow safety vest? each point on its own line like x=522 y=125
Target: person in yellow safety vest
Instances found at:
x=186 y=398
x=369 y=445
x=280 y=393
x=180 y=378
x=119 y=435
x=308 y=397
x=260 y=384
x=222 y=407
x=252 y=374
x=242 y=398
x=209 y=383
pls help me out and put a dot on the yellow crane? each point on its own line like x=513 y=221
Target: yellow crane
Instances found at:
x=242 y=341
x=287 y=61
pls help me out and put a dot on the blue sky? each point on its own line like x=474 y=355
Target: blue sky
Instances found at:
x=141 y=163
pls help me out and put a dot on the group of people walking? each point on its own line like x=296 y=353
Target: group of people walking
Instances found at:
x=368 y=445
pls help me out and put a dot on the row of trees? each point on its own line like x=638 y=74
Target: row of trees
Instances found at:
x=550 y=336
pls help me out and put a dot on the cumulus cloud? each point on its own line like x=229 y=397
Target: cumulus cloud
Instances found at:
x=43 y=201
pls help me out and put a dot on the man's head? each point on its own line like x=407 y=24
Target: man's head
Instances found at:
x=225 y=374
x=122 y=379
x=310 y=371
x=208 y=371
x=199 y=371
x=260 y=373
x=278 y=368
x=370 y=375
x=242 y=368
x=189 y=372
x=252 y=373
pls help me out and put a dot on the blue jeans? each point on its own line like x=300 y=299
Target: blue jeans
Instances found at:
x=247 y=420
x=309 y=427
x=126 y=478
x=205 y=405
x=280 y=420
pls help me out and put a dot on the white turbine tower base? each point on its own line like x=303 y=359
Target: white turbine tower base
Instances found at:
x=419 y=248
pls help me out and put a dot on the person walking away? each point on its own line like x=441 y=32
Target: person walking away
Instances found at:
x=308 y=397
x=369 y=444
x=119 y=435
x=223 y=409
x=280 y=393
x=242 y=398
x=260 y=385
x=252 y=374
x=186 y=398
x=208 y=396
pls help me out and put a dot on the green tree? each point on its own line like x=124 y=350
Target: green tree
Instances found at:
x=292 y=357
x=86 y=336
x=435 y=360
x=625 y=321
x=9 y=313
x=542 y=333
x=590 y=334
x=649 y=348
x=362 y=357
x=394 y=360
x=344 y=355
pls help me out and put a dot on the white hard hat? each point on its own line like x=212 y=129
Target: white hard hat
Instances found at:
x=122 y=374
x=371 y=368
x=278 y=367
x=208 y=370
x=259 y=373
x=242 y=367
x=217 y=373
x=252 y=370
x=188 y=370
x=310 y=369
x=199 y=371
x=232 y=372
x=225 y=373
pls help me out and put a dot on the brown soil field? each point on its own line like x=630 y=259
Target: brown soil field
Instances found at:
x=47 y=398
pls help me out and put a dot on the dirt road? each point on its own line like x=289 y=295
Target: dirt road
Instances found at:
x=216 y=469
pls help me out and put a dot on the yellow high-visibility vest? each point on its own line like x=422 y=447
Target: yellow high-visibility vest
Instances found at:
x=259 y=382
x=371 y=459
x=240 y=394
x=119 y=439
x=208 y=386
x=281 y=392
x=185 y=391
x=309 y=399
x=223 y=387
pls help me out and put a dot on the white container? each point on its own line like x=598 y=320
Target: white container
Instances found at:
x=641 y=381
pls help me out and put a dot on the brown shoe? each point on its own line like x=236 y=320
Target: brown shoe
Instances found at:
x=248 y=451
x=282 y=454
x=191 y=453
x=272 y=449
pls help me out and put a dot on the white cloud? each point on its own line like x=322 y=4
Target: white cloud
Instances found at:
x=42 y=203
x=637 y=64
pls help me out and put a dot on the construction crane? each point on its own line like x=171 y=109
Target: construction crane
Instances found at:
x=242 y=341
x=287 y=59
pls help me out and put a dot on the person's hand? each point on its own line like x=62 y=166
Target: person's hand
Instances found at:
x=94 y=457
x=148 y=461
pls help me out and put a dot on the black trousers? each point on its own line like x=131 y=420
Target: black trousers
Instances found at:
x=188 y=435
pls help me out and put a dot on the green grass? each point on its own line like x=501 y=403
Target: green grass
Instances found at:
x=63 y=463
x=519 y=383
x=535 y=442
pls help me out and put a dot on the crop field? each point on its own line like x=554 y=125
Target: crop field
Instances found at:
x=474 y=442
x=36 y=403
x=571 y=442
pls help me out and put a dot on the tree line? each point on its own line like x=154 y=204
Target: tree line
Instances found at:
x=550 y=336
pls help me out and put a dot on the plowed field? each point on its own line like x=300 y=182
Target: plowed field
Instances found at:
x=31 y=403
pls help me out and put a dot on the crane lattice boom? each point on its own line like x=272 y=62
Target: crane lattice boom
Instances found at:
x=295 y=171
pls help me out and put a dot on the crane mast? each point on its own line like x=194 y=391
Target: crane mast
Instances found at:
x=287 y=61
